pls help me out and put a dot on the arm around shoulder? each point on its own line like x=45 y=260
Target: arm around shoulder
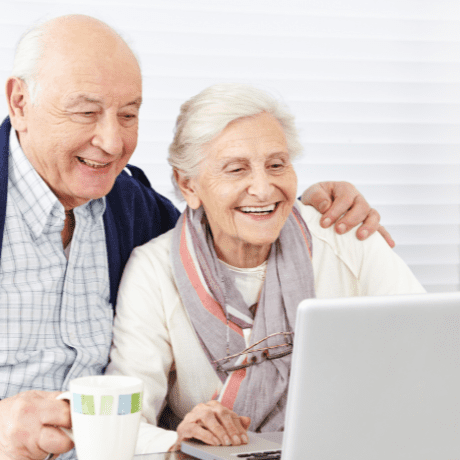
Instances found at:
x=347 y=266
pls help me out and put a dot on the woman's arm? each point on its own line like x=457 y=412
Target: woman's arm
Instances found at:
x=141 y=346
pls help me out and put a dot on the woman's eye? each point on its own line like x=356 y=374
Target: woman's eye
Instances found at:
x=235 y=169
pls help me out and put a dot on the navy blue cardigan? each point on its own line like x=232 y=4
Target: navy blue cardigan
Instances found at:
x=134 y=214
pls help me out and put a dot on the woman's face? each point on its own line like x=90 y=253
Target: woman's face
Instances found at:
x=247 y=187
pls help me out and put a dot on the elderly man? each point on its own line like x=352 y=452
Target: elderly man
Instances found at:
x=70 y=214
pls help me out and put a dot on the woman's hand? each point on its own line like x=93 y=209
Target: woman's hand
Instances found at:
x=336 y=199
x=213 y=424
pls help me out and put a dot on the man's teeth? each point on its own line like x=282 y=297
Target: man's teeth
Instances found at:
x=259 y=209
x=93 y=164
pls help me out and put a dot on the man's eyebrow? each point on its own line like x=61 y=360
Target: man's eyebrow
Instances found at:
x=137 y=102
x=83 y=98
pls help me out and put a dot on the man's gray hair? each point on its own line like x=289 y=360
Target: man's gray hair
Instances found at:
x=31 y=48
x=29 y=51
x=206 y=115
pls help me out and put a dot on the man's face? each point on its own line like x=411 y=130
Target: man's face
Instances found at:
x=82 y=128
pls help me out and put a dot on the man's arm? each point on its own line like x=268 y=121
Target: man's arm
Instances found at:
x=28 y=426
x=342 y=204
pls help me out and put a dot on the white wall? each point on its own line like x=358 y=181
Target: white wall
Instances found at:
x=375 y=87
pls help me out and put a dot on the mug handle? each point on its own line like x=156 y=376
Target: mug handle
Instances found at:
x=66 y=395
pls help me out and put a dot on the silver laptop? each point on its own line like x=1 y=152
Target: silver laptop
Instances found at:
x=372 y=378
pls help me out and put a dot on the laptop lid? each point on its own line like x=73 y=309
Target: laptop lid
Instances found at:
x=375 y=378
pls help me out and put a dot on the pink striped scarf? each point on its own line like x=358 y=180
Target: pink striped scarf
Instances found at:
x=219 y=313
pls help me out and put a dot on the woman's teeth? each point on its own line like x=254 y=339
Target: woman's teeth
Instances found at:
x=92 y=164
x=258 y=210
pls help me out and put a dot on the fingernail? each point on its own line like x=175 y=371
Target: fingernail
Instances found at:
x=227 y=441
x=327 y=222
x=364 y=233
x=341 y=228
x=244 y=438
x=323 y=206
x=236 y=439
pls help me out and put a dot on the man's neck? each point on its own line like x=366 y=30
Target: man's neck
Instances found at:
x=69 y=226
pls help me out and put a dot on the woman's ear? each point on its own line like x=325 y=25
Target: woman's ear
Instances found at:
x=188 y=189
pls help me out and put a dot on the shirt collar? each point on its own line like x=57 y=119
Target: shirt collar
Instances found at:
x=37 y=201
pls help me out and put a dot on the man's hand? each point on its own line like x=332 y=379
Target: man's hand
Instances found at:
x=28 y=426
x=342 y=204
x=213 y=424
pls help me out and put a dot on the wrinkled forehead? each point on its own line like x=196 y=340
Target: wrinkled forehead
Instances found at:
x=112 y=75
x=83 y=47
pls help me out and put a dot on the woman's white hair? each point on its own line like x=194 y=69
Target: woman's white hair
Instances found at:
x=206 y=115
x=29 y=52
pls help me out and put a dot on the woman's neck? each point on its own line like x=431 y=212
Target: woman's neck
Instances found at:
x=242 y=255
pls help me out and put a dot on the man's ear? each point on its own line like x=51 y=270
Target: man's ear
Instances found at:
x=17 y=96
x=188 y=189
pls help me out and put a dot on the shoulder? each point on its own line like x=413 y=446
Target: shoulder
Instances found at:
x=344 y=265
x=331 y=249
x=327 y=236
x=155 y=251
x=330 y=237
x=133 y=203
x=152 y=258
x=132 y=185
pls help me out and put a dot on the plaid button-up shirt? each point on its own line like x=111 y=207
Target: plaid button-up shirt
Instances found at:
x=55 y=314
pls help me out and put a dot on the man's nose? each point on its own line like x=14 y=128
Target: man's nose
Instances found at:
x=108 y=135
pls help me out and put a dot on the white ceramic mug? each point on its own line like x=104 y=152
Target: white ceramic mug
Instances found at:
x=106 y=412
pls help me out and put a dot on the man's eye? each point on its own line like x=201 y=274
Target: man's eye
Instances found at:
x=128 y=117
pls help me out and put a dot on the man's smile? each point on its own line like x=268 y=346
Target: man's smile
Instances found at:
x=92 y=163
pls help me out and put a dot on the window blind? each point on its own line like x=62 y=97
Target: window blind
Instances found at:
x=375 y=87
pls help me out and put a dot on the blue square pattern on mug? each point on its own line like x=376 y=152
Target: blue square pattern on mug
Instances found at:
x=124 y=404
x=77 y=407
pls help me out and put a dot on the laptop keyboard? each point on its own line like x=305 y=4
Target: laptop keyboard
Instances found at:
x=267 y=455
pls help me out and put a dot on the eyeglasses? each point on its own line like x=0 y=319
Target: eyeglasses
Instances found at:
x=281 y=350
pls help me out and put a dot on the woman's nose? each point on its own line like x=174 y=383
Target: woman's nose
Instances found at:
x=260 y=185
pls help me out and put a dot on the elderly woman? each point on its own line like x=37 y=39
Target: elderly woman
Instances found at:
x=231 y=274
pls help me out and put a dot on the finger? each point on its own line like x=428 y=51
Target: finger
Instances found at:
x=232 y=425
x=318 y=197
x=339 y=207
x=369 y=226
x=230 y=422
x=245 y=421
x=215 y=425
x=193 y=430
x=55 y=412
x=52 y=439
x=386 y=235
x=359 y=212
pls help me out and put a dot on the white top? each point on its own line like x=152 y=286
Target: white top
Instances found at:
x=155 y=340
